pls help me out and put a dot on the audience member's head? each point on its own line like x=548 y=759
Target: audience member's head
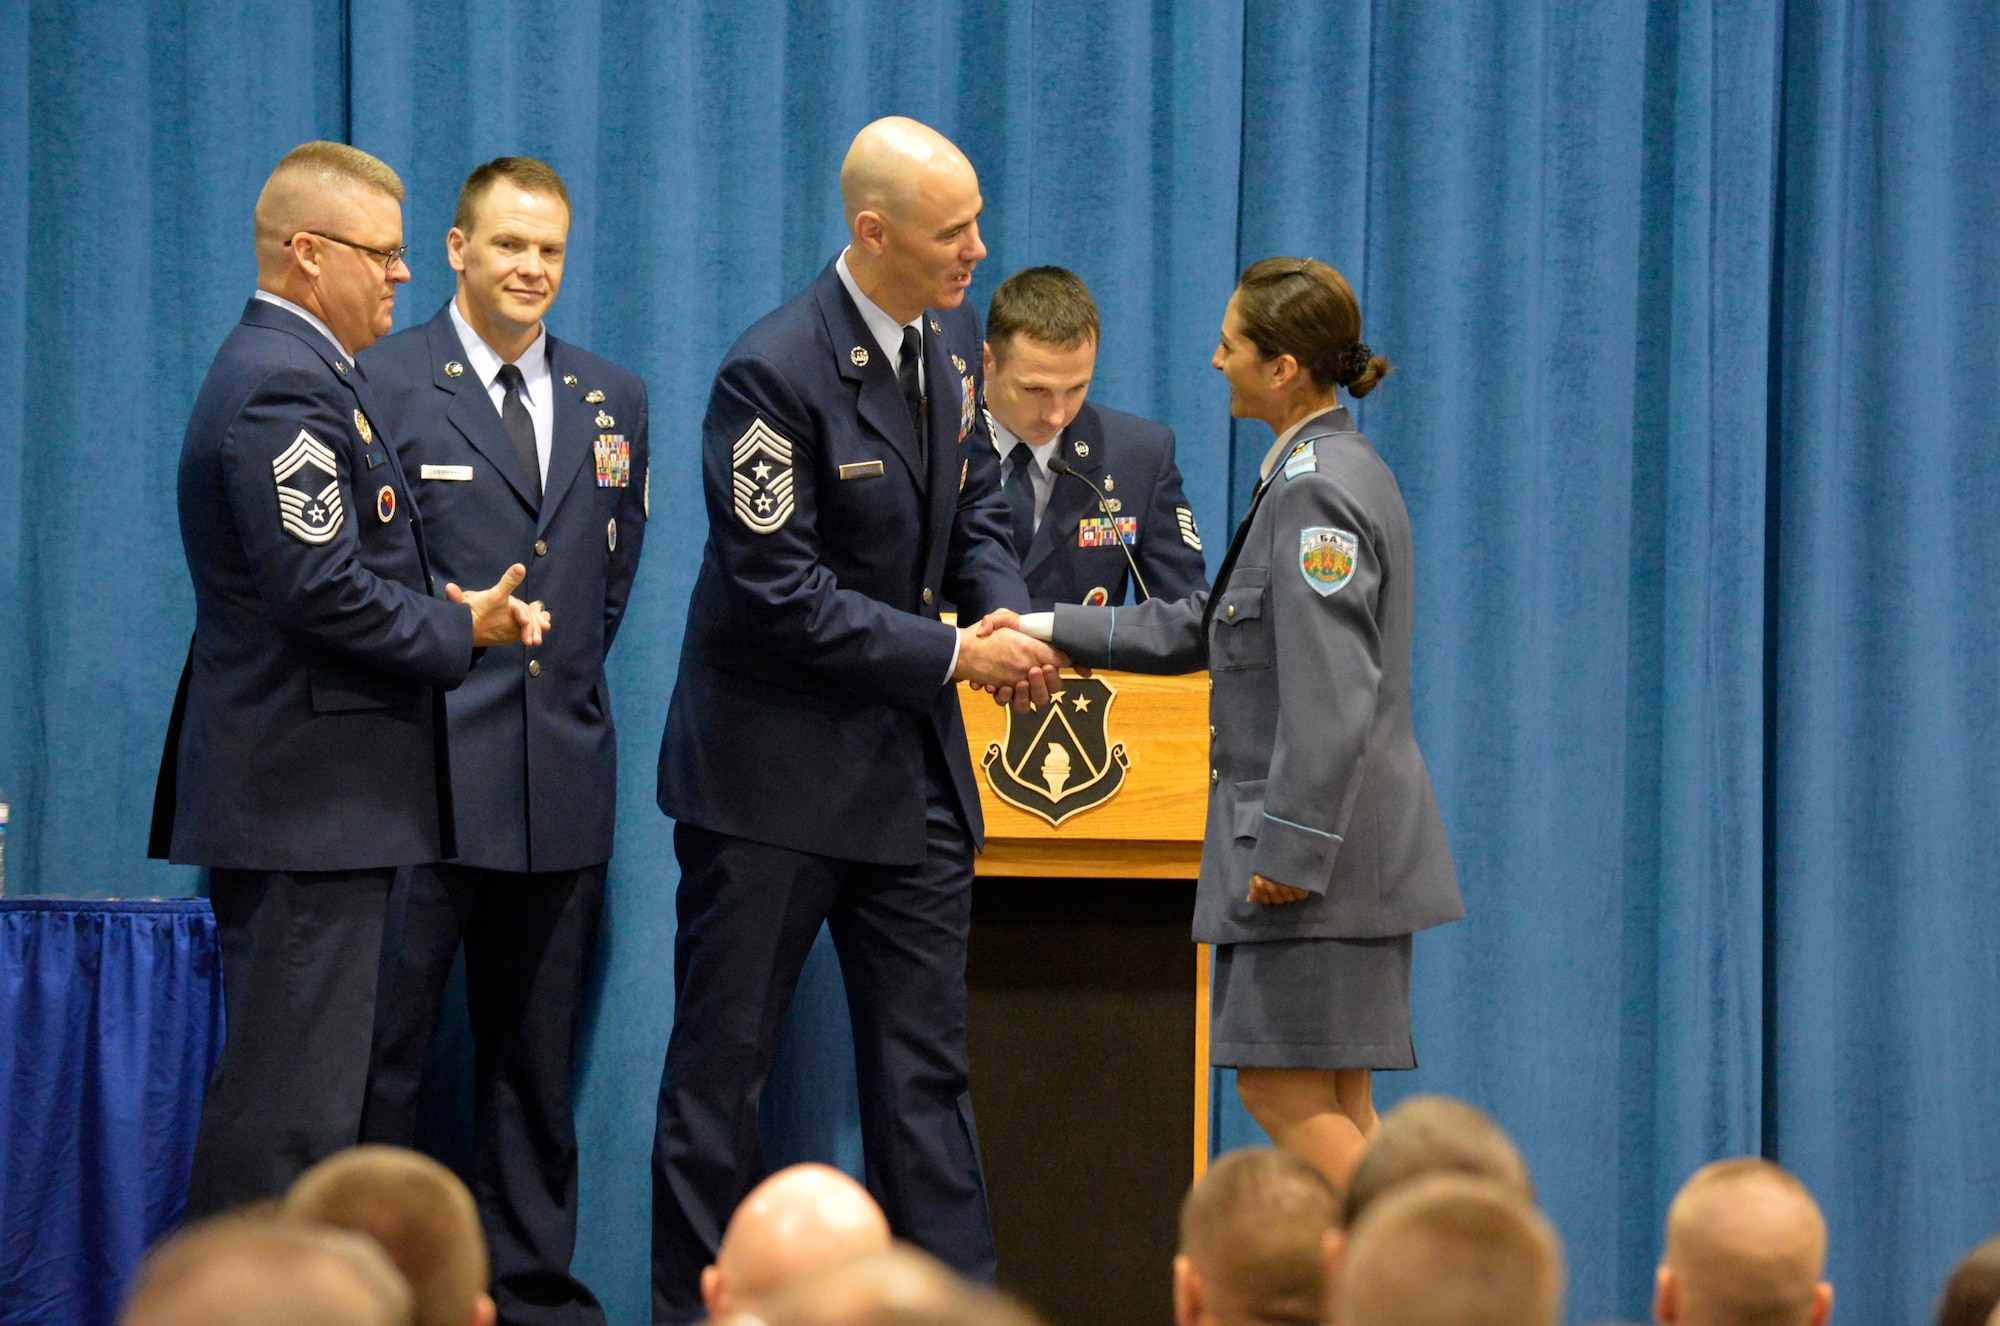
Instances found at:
x=898 y=1286
x=1434 y=1135
x=1256 y=1236
x=798 y=1222
x=1972 y=1293
x=238 y=1270
x=420 y=1214
x=1746 y=1246
x=1452 y=1250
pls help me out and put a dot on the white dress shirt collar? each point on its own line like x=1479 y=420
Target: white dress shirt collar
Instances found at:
x=888 y=332
x=309 y=316
x=486 y=361
x=1005 y=440
x=1284 y=442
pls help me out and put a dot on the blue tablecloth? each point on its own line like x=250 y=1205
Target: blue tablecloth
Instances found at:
x=110 y=1024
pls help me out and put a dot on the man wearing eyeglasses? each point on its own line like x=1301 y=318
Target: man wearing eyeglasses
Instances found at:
x=306 y=756
x=522 y=447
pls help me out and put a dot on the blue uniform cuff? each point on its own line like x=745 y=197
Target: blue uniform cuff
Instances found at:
x=1296 y=855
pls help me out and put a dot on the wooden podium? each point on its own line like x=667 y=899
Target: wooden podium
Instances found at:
x=1088 y=1029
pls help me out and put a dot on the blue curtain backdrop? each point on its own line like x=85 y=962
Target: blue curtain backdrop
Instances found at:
x=1695 y=307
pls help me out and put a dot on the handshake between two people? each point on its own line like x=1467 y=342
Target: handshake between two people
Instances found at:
x=498 y=618
x=994 y=655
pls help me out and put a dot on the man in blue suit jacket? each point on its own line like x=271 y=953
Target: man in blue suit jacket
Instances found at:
x=1041 y=349
x=814 y=755
x=526 y=448
x=305 y=759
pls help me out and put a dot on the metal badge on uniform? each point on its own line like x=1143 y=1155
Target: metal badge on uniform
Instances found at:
x=1326 y=558
x=614 y=460
x=1083 y=448
x=964 y=467
x=611 y=535
x=454 y=369
x=593 y=398
x=310 y=513
x=1109 y=483
x=1097 y=598
x=1112 y=506
x=859 y=356
x=935 y=329
x=450 y=473
x=1099 y=532
x=385 y=504
x=861 y=469
x=958 y=363
x=340 y=367
x=1189 y=534
x=361 y=427
x=761 y=470
x=604 y=420
x=569 y=379
x=967 y=405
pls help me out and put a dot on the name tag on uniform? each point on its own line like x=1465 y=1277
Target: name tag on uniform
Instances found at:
x=456 y=473
x=862 y=469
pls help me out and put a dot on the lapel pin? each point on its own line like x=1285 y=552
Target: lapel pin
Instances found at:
x=340 y=367
x=604 y=420
x=1109 y=483
x=569 y=379
x=594 y=398
x=361 y=426
x=1083 y=448
x=611 y=536
x=935 y=329
x=859 y=356
x=958 y=363
x=454 y=369
x=385 y=504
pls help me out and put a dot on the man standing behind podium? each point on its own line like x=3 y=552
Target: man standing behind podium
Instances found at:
x=815 y=755
x=522 y=447
x=1041 y=349
x=305 y=759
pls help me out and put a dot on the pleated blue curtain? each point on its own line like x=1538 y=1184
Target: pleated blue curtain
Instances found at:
x=1694 y=310
x=1886 y=893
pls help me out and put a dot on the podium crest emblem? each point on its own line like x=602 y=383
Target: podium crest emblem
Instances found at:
x=1059 y=760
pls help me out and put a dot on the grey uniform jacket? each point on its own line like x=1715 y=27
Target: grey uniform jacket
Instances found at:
x=1315 y=780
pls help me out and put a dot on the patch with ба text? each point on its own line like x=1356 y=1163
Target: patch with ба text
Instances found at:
x=1326 y=558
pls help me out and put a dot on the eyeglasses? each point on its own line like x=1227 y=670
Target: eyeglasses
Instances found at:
x=389 y=257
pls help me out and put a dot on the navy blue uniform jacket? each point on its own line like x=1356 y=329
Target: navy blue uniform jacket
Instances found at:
x=814 y=661
x=534 y=757
x=308 y=733
x=1135 y=457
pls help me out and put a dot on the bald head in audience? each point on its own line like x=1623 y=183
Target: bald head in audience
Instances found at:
x=238 y=1270
x=1746 y=1244
x=1972 y=1293
x=1434 y=1135
x=1257 y=1236
x=898 y=1286
x=799 y=1221
x=1452 y=1250
x=418 y=1212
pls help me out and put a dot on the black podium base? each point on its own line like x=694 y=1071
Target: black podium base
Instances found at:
x=1083 y=1051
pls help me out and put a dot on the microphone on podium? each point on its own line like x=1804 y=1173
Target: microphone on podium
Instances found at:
x=1057 y=465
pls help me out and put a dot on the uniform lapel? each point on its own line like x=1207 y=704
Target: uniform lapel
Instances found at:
x=880 y=399
x=471 y=411
x=1328 y=425
x=1069 y=500
x=358 y=382
x=573 y=433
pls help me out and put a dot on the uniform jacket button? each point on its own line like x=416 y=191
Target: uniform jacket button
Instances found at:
x=1214 y=777
x=541 y=548
x=927 y=595
x=1229 y=611
x=534 y=667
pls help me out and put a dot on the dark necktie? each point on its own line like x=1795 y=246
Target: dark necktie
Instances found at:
x=1020 y=491
x=521 y=428
x=913 y=392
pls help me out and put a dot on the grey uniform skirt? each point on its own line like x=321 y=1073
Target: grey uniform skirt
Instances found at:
x=1312 y=1003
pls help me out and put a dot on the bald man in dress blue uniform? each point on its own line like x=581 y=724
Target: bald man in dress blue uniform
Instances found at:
x=306 y=757
x=815 y=757
x=1121 y=485
x=523 y=447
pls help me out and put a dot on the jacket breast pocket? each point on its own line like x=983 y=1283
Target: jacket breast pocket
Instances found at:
x=1240 y=632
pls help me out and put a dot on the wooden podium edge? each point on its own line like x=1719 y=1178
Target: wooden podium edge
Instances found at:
x=1203 y=1128
x=1108 y=858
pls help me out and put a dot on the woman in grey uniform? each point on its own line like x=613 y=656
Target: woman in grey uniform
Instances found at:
x=1324 y=849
